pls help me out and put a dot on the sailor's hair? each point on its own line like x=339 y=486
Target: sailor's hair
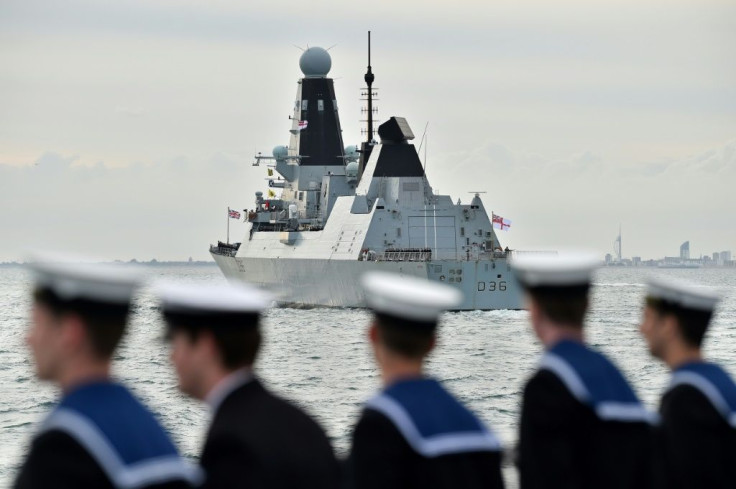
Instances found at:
x=411 y=339
x=563 y=305
x=691 y=323
x=104 y=322
x=237 y=335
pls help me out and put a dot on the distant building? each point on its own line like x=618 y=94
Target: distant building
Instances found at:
x=725 y=256
x=716 y=257
x=685 y=250
x=636 y=260
x=609 y=258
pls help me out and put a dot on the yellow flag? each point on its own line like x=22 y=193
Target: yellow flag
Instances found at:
x=270 y=172
x=271 y=193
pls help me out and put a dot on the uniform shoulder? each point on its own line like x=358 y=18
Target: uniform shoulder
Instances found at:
x=56 y=459
x=255 y=397
x=375 y=428
x=546 y=382
x=547 y=399
x=252 y=411
x=372 y=418
x=686 y=401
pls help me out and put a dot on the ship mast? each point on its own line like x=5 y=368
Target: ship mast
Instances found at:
x=369 y=77
x=367 y=146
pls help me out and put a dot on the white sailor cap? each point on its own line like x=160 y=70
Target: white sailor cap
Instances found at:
x=72 y=278
x=211 y=301
x=409 y=298
x=548 y=270
x=682 y=294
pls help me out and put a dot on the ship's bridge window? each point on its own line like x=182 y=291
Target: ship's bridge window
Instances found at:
x=304 y=104
x=321 y=105
x=301 y=195
x=334 y=105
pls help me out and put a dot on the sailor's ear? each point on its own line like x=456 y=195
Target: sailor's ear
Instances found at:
x=73 y=331
x=373 y=334
x=670 y=327
x=209 y=340
x=535 y=312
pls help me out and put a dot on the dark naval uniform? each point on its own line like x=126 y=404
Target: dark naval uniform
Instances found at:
x=258 y=440
x=100 y=436
x=697 y=434
x=582 y=426
x=414 y=434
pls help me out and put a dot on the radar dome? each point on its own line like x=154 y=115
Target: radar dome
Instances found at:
x=280 y=152
x=351 y=153
x=351 y=171
x=315 y=62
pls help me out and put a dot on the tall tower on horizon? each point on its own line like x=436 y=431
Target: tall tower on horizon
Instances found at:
x=617 y=246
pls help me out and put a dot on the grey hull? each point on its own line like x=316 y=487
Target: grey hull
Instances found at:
x=486 y=285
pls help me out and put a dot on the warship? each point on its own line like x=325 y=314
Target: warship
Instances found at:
x=342 y=211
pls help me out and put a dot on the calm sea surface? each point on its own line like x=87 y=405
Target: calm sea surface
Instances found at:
x=320 y=359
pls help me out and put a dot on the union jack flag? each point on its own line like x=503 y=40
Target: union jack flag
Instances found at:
x=233 y=214
x=302 y=125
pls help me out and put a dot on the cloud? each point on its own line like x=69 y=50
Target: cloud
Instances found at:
x=718 y=161
x=501 y=161
x=168 y=210
x=579 y=199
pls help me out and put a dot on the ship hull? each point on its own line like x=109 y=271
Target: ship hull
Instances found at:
x=486 y=284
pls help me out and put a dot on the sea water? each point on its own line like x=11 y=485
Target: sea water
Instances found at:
x=320 y=358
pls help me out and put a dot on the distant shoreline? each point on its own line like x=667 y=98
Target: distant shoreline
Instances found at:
x=152 y=263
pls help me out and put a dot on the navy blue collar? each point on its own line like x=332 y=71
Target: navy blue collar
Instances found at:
x=594 y=381
x=713 y=382
x=110 y=424
x=431 y=420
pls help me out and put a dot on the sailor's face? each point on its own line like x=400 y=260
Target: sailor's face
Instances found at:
x=652 y=329
x=185 y=358
x=45 y=341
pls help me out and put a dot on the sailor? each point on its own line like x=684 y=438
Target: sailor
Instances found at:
x=255 y=439
x=414 y=433
x=696 y=438
x=98 y=435
x=581 y=424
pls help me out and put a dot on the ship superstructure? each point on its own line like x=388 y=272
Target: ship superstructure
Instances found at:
x=343 y=211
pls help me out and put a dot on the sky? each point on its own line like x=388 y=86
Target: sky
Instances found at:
x=128 y=128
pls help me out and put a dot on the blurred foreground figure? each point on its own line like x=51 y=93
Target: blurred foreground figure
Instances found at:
x=582 y=426
x=256 y=439
x=98 y=435
x=415 y=434
x=696 y=439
